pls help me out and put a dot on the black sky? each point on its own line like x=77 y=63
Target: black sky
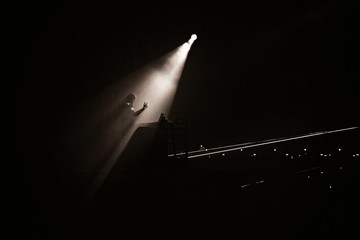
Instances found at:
x=256 y=70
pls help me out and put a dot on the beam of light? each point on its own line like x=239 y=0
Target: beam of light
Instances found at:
x=157 y=86
x=161 y=82
x=92 y=131
x=211 y=152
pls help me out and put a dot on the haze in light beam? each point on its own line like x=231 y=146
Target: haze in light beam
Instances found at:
x=98 y=150
x=158 y=88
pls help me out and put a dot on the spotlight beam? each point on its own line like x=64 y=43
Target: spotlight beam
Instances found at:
x=155 y=83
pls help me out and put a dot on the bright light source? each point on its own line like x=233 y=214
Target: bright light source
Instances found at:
x=192 y=39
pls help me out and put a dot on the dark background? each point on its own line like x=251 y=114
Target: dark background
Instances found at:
x=257 y=71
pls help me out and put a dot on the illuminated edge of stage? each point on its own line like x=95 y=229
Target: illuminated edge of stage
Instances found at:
x=241 y=146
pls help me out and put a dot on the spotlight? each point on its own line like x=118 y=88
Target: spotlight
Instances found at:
x=192 y=38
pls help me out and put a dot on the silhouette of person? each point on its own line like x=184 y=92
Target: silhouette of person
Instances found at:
x=126 y=111
x=126 y=117
x=129 y=103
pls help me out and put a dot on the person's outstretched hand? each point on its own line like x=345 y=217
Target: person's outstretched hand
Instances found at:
x=145 y=105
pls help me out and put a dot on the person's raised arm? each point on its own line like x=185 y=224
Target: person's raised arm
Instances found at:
x=145 y=106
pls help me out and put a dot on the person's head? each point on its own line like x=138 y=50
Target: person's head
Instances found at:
x=130 y=99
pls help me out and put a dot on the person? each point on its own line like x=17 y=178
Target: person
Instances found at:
x=129 y=103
